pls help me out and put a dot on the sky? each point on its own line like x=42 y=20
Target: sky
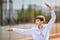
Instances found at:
x=17 y=4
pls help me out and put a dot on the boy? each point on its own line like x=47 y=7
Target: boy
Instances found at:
x=41 y=32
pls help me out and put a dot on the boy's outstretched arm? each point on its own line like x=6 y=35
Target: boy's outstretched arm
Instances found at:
x=53 y=16
x=22 y=31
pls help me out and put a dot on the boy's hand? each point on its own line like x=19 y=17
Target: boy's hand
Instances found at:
x=48 y=5
x=9 y=29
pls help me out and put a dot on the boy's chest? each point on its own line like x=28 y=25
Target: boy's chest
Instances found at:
x=39 y=32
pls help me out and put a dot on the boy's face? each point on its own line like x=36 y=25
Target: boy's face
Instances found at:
x=38 y=22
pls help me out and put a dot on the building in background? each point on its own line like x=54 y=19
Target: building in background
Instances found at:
x=1 y=13
x=7 y=13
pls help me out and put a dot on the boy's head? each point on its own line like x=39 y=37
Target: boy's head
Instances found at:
x=40 y=20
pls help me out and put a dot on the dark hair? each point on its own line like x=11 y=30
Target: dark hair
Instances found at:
x=42 y=18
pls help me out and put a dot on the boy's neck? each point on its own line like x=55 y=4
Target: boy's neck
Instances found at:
x=40 y=26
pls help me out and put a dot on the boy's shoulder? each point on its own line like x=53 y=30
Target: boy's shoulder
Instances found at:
x=45 y=24
x=34 y=28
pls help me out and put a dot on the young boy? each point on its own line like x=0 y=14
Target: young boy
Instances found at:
x=41 y=32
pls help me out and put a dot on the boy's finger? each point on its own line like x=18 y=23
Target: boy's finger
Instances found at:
x=8 y=30
x=48 y=5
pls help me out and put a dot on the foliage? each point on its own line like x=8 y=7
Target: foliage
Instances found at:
x=28 y=15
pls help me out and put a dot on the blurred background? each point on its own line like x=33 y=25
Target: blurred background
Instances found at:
x=22 y=13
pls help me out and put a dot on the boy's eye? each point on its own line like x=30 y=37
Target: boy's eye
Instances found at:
x=37 y=20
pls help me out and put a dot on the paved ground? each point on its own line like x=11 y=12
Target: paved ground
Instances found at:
x=16 y=36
